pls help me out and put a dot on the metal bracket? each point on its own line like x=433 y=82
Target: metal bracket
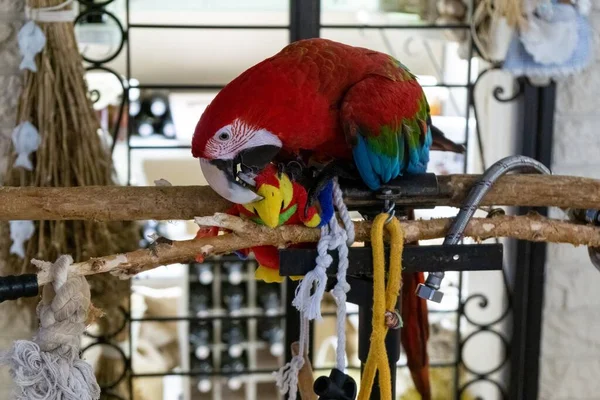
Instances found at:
x=407 y=191
x=436 y=258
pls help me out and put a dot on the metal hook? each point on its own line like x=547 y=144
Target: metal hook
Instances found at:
x=389 y=208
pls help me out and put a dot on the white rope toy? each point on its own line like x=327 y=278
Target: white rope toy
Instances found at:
x=342 y=287
x=49 y=367
x=332 y=237
x=286 y=378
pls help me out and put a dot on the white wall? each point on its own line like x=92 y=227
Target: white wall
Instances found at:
x=570 y=364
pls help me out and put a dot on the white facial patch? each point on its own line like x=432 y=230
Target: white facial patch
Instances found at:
x=228 y=141
x=262 y=137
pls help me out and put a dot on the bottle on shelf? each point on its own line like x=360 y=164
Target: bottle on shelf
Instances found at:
x=271 y=331
x=200 y=300
x=234 y=271
x=158 y=104
x=134 y=108
x=204 y=272
x=145 y=125
x=233 y=335
x=233 y=367
x=200 y=338
x=269 y=298
x=205 y=369
x=204 y=384
x=166 y=127
x=233 y=298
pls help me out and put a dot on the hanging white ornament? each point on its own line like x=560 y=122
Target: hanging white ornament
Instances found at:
x=26 y=139
x=553 y=40
x=583 y=6
x=31 y=41
x=31 y=38
x=20 y=232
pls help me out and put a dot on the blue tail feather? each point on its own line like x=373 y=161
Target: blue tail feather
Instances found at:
x=363 y=163
x=376 y=169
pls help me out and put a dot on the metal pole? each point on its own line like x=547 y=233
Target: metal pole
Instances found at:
x=530 y=269
x=305 y=19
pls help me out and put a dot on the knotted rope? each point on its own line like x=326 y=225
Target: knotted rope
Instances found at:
x=333 y=237
x=49 y=367
x=384 y=300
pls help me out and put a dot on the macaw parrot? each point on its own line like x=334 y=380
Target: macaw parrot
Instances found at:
x=321 y=101
x=349 y=111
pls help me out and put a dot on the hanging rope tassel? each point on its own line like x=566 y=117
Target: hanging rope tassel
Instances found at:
x=342 y=287
x=384 y=300
x=286 y=378
x=49 y=367
x=333 y=237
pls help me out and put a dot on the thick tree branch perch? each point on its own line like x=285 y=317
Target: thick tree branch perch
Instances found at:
x=247 y=234
x=186 y=202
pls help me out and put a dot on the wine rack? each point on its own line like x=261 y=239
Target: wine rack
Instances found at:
x=235 y=330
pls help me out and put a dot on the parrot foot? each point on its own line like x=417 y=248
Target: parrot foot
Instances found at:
x=293 y=169
x=323 y=177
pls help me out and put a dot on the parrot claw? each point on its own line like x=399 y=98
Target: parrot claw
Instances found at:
x=293 y=169
x=332 y=170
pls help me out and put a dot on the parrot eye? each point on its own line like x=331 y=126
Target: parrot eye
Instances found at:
x=224 y=136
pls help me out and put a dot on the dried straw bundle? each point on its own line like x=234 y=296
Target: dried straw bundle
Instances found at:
x=71 y=153
x=55 y=100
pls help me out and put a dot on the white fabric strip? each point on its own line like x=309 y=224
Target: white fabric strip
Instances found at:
x=56 y=13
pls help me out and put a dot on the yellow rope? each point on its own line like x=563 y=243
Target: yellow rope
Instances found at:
x=383 y=299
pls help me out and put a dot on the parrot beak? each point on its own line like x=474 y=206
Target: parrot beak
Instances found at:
x=225 y=184
x=269 y=208
x=232 y=179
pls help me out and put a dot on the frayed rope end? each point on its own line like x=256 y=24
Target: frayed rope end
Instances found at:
x=48 y=376
x=310 y=305
x=286 y=378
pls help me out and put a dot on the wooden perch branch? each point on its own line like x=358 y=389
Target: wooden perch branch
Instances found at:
x=246 y=234
x=186 y=202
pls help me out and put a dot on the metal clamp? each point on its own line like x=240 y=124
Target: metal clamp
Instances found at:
x=389 y=207
x=430 y=290
x=337 y=386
